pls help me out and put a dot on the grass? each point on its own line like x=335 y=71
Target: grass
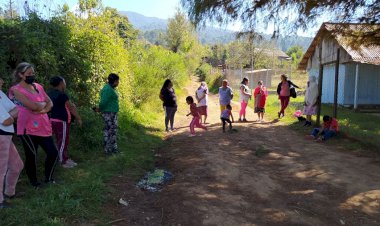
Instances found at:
x=363 y=129
x=80 y=192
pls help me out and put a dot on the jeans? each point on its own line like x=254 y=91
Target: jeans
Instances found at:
x=169 y=117
x=327 y=134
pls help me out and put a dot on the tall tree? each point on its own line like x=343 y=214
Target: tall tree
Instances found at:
x=179 y=32
x=289 y=14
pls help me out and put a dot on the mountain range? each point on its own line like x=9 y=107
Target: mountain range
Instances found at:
x=153 y=28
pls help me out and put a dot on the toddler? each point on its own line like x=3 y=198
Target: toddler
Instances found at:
x=195 y=122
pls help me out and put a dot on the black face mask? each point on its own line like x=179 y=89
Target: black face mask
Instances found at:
x=30 y=79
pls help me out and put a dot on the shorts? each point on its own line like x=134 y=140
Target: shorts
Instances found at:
x=259 y=110
x=202 y=110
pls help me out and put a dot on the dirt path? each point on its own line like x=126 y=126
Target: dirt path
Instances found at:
x=264 y=174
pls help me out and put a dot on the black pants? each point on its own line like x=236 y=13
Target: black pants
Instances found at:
x=30 y=144
x=169 y=117
x=224 y=120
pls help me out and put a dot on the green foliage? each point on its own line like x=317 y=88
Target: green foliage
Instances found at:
x=212 y=77
x=296 y=53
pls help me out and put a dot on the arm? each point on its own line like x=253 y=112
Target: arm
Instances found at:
x=291 y=83
x=104 y=98
x=74 y=111
x=33 y=106
x=5 y=118
x=279 y=88
x=14 y=112
x=232 y=116
x=48 y=106
x=244 y=92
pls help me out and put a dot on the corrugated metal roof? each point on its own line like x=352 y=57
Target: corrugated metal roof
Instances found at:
x=359 y=53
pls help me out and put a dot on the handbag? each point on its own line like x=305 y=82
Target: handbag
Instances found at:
x=293 y=92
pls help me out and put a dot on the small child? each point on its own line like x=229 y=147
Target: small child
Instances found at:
x=225 y=117
x=195 y=122
x=329 y=129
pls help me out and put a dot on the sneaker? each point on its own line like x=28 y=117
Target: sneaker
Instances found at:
x=36 y=185
x=71 y=162
x=17 y=195
x=239 y=120
x=245 y=120
x=67 y=165
x=4 y=205
x=279 y=115
x=192 y=135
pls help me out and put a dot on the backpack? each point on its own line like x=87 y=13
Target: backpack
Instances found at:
x=293 y=92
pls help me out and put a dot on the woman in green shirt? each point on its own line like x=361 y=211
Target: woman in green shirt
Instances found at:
x=109 y=107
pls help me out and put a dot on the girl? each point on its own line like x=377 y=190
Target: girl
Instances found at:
x=33 y=124
x=169 y=99
x=194 y=112
x=283 y=91
x=260 y=95
x=245 y=95
x=225 y=117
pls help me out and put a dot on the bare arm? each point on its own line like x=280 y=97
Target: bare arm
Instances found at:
x=74 y=111
x=33 y=106
x=48 y=106
x=14 y=112
x=7 y=122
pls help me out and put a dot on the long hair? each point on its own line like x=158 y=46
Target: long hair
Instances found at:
x=166 y=84
x=245 y=79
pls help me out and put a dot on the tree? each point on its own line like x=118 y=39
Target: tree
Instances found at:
x=179 y=32
x=296 y=53
x=289 y=14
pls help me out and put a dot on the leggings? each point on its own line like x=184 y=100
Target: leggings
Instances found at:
x=196 y=123
x=110 y=132
x=169 y=117
x=284 y=103
x=243 y=106
x=224 y=120
x=10 y=166
x=30 y=144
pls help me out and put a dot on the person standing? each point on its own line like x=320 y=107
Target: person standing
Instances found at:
x=60 y=117
x=169 y=99
x=202 y=97
x=10 y=161
x=311 y=99
x=260 y=95
x=225 y=95
x=109 y=107
x=225 y=117
x=245 y=95
x=195 y=122
x=33 y=124
x=283 y=91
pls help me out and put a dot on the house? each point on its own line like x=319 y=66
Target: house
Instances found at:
x=359 y=65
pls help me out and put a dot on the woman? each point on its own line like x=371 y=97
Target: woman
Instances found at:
x=10 y=161
x=260 y=95
x=245 y=95
x=202 y=97
x=283 y=91
x=167 y=95
x=109 y=107
x=33 y=125
x=311 y=98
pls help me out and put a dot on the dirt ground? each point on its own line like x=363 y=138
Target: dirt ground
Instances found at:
x=263 y=174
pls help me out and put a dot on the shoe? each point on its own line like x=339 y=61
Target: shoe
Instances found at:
x=192 y=135
x=239 y=120
x=199 y=135
x=283 y=115
x=17 y=195
x=51 y=181
x=72 y=162
x=36 y=185
x=68 y=165
x=245 y=120
x=5 y=205
x=279 y=115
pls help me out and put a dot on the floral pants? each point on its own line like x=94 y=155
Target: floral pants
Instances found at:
x=110 y=132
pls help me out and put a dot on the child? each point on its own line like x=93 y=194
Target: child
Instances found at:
x=260 y=95
x=329 y=129
x=194 y=112
x=225 y=117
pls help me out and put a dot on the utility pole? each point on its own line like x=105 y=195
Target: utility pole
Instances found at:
x=10 y=8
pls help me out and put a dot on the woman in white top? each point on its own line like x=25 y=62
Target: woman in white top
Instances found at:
x=202 y=97
x=10 y=161
x=311 y=99
x=245 y=95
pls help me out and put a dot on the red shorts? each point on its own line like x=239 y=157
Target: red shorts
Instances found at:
x=202 y=110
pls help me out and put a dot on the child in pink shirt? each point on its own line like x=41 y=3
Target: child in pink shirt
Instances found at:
x=195 y=122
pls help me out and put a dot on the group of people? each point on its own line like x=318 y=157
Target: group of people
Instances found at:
x=260 y=93
x=39 y=116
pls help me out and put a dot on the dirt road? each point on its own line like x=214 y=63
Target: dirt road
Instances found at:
x=263 y=174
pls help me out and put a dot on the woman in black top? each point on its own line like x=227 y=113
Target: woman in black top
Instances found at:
x=283 y=91
x=167 y=95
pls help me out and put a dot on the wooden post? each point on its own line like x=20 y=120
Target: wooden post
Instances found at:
x=336 y=84
x=320 y=80
x=356 y=87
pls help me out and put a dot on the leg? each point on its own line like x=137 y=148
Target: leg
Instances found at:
x=224 y=124
x=198 y=125
x=243 y=109
x=113 y=133
x=171 y=119
x=107 y=132
x=15 y=166
x=282 y=101
x=60 y=130
x=51 y=159
x=5 y=142
x=192 y=125
x=328 y=134
x=166 y=118
x=229 y=122
x=315 y=132
x=286 y=103
x=30 y=144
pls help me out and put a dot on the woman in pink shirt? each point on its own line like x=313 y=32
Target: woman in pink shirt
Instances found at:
x=33 y=125
x=283 y=91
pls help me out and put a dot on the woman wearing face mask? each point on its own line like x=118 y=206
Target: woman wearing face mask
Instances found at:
x=33 y=125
